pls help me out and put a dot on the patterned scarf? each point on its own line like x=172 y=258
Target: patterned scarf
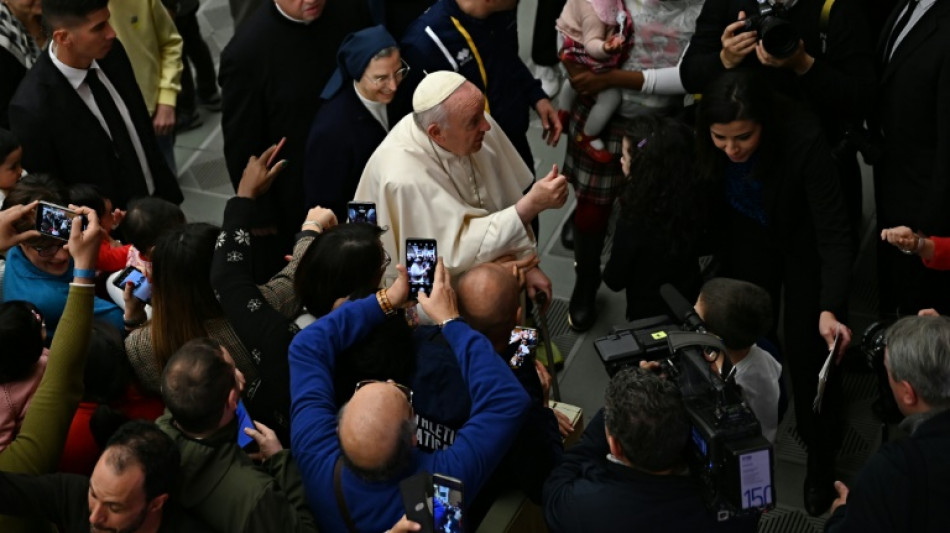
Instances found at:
x=15 y=39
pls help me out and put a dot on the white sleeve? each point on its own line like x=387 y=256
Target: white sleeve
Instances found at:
x=662 y=81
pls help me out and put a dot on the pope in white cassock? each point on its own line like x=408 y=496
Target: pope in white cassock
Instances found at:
x=447 y=172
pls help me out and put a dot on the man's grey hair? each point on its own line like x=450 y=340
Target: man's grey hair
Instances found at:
x=918 y=351
x=437 y=115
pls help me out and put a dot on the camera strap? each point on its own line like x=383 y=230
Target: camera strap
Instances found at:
x=340 y=499
x=823 y=22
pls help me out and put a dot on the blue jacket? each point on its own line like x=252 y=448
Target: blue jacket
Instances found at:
x=23 y=281
x=498 y=404
x=511 y=90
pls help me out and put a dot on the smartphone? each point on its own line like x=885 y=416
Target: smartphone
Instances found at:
x=421 y=257
x=55 y=220
x=141 y=288
x=525 y=342
x=244 y=421
x=417 y=500
x=447 y=503
x=361 y=212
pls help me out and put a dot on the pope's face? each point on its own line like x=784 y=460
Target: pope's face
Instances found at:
x=467 y=125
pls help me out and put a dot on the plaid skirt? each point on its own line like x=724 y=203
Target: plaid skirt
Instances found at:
x=597 y=183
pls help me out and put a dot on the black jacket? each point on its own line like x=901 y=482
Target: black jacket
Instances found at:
x=903 y=487
x=62 y=137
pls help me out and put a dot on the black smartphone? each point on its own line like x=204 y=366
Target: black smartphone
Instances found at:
x=525 y=341
x=421 y=258
x=361 y=212
x=55 y=220
x=447 y=503
x=417 y=499
x=141 y=288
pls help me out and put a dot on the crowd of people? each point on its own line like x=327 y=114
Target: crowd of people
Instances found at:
x=283 y=371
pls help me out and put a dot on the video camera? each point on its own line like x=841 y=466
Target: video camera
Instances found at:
x=779 y=37
x=727 y=452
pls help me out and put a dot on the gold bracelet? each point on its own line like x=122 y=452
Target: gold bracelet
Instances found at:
x=384 y=303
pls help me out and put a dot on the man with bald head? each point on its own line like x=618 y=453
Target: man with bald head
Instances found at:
x=352 y=465
x=448 y=172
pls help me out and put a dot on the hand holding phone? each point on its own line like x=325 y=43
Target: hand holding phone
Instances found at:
x=56 y=221
x=421 y=258
x=141 y=288
x=417 y=499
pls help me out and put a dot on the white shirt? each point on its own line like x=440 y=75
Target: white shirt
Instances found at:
x=920 y=9
x=77 y=78
x=377 y=109
x=758 y=375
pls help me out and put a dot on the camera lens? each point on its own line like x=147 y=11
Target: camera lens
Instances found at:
x=778 y=37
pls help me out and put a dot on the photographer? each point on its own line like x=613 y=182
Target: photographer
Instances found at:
x=627 y=472
x=903 y=486
x=830 y=66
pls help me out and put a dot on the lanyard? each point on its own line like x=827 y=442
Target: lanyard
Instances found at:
x=478 y=58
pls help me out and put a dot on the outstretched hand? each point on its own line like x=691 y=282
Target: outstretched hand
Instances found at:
x=257 y=177
x=441 y=304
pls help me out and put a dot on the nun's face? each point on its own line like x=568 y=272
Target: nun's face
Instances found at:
x=381 y=78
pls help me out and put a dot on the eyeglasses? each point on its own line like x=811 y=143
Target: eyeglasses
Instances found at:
x=397 y=76
x=48 y=251
x=402 y=388
x=386 y=260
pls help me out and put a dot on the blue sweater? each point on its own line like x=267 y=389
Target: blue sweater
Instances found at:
x=498 y=404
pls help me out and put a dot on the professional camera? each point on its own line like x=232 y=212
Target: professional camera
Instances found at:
x=779 y=37
x=873 y=344
x=727 y=451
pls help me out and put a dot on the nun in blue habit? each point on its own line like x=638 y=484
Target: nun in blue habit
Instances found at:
x=354 y=117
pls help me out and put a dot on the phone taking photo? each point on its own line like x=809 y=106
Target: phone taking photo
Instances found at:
x=447 y=503
x=361 y=212
x=141 y=288
x=56 y=221
x=421 y=258
x=525 y=342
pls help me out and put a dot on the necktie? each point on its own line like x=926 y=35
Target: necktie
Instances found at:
x=898 y=28
x=133 y=182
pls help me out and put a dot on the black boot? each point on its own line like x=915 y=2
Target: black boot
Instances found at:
x=567 y=232
x=582 y=312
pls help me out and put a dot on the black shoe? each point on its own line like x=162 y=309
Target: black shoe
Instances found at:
x=818 y=496
x=185 y=123
x=567 y=233
x=212 y=103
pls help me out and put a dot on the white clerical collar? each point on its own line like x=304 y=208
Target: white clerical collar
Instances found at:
x=377 y=109
x=75 y=76
x=288 y=17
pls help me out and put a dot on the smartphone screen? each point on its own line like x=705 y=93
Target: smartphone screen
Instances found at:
x=525 y=342
x=244 y=421
x=361 y=212
x=141 y=288
x=447 y=503
x=421 y=257
x=55 y=221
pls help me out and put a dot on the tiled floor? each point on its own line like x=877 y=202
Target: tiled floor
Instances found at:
x=207 y=187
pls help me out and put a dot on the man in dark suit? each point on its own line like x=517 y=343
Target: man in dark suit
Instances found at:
x=79 y=112
x=271 y=76
x=912 y=180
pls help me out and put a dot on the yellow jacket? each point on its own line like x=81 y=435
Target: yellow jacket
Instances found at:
x=148 y=33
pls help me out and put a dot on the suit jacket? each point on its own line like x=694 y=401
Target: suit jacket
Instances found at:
x=343 y=136
x=62 y=137
x=913 y=113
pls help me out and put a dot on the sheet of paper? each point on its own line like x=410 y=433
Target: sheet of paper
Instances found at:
x=823 y=376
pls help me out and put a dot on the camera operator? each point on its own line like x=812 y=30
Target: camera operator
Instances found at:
x=828 y=65
x=903 y=487
x=627 y=472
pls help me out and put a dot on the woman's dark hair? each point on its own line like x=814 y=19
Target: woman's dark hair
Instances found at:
x=107 y=366
x=344 y=261
x=89 y=196
x=21 y=335
x=182 y=297
x=663 y=191
x=147 y=218
x=8 y=143
x=736 y=95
